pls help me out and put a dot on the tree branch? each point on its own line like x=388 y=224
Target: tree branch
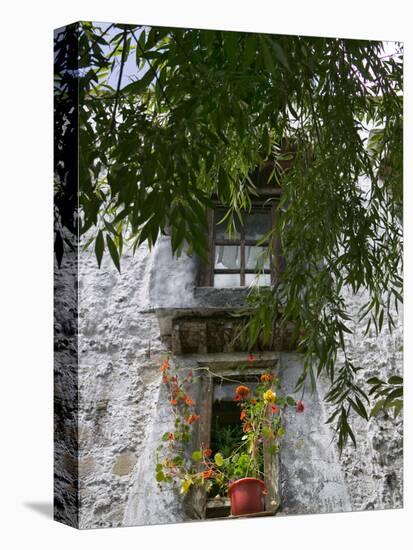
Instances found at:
x=154 y=72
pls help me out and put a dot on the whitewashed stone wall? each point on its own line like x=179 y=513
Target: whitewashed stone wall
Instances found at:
x=120 y=351
x=374 y=470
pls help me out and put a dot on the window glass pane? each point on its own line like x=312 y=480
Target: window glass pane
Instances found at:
x=260 y=280
x=255 y=257
x=227 y=257
x=225 y=391
x=227 y=280
x=257 y=224
x=221 y=228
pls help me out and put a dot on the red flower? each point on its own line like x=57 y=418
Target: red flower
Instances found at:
x=165 y=378
x=171 y=437
x=174 y=402
x=165 y=365
x=266 y=377
x=193 y=418
x=207 y=474
x=242 y=392
x=299 y=406
x=243 y=415
x=251 y=358
x=188 y=401
x=274 y=409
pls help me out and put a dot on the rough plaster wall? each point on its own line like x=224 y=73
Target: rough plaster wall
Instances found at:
x=148 y=503
x=312 y=481
x=374 y=470
x=120 y=422
x=66 y=390
x=118 y=382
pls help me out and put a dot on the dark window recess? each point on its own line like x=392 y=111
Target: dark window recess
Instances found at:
x=226 y=433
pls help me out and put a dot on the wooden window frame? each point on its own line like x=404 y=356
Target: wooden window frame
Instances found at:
x=209 y=271
x=198 y=500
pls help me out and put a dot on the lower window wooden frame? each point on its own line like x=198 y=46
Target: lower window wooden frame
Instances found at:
x=198 y=499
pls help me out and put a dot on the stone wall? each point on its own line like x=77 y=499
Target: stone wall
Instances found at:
x=66 y=478
x=124 y=331
x=374 y=470
x=119 y=381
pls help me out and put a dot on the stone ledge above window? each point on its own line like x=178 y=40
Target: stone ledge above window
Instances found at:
x=206 y=324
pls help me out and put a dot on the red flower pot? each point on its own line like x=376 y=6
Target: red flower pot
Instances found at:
x=247 y=496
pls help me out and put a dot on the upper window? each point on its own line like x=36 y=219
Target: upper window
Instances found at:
x=241 y=258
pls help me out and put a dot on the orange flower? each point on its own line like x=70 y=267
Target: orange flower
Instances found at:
x=251 y=358
x=171 y=437
x=247 y=427
x=174 y=402
x=165 y=378
x=188 y=401
x=242 y=392
x=207 y=474
x=193 y=418
x=254 y=401
x=274 y=409
x=165 y=365
x=243 y=415
x=266 y=377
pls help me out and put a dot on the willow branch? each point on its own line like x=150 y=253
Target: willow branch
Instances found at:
x=154 y=72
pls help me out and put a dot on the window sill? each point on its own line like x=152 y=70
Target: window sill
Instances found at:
x=223 y=298
x=220 y=509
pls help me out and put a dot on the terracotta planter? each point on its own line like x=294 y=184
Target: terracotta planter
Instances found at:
x=247 y=496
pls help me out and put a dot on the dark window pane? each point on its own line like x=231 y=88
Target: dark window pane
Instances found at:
x=227 y=257
x=221 y=232
x=257 y=224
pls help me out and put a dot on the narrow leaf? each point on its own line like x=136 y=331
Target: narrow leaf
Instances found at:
x=113 y=252
x=99 y=247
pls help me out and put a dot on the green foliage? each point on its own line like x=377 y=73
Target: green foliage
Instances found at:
x=388 y=395
x=227 y=438
x=219 y=460
x=197 y=456
x=201 y=112
x=238 y=449
x=239 y=466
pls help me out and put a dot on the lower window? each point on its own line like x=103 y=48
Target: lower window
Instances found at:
x=221 y=431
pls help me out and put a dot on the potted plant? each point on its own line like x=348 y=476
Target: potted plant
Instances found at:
x=235 y=467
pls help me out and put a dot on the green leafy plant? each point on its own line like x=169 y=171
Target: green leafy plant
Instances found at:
x=239 y=453
x=227 y=438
